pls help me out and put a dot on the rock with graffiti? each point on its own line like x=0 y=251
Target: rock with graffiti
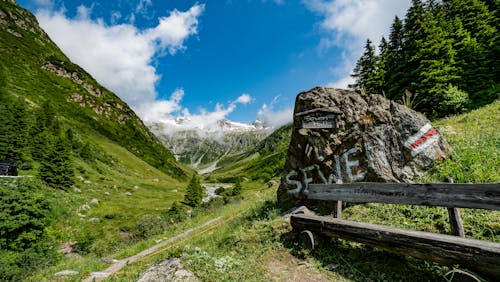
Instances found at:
x=340 y=136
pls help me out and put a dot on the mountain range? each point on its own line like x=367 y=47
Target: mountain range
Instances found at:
x=202 y=148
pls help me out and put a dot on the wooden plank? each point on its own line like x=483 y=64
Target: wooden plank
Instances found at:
x=481 y=256
x=479 y=196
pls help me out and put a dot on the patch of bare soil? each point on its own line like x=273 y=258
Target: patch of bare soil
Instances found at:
x=282 y=266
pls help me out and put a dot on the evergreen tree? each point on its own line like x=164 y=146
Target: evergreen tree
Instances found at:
x=44 y=127
x=413 y=33
x=434 y=61
x=56 y=168
x=380 y=78
x=394 y=61
x=194 y=192
x=15 y=127
x=365 y=70
x=476 y=41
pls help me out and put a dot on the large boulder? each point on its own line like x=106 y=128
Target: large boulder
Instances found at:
x=340 y=136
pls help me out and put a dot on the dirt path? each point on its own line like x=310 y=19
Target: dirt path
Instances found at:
x=97 y=276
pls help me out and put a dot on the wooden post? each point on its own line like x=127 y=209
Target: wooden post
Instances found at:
x=456 y=225
x=337 y=209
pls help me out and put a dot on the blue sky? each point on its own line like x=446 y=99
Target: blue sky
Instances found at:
x=207 y=60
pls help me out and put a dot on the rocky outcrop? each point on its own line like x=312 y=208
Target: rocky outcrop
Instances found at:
x=340 y=136
x=168 y=270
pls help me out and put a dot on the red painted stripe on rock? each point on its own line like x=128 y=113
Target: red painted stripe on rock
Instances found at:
x=422 y=139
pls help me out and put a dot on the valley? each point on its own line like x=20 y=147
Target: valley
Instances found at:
x=105 y=196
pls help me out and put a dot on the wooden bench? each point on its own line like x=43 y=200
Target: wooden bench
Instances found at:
x=478 y=255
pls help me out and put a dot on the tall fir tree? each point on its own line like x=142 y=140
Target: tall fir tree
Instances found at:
x=194 y=192
x=15 y=128
x=364 y=72
x=56 y=167
x=394 y=61
x=476 y=41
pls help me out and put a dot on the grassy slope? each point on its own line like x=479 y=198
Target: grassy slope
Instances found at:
x=247 y=244
x=131 y=159
x=25 y=50
x=264 y=162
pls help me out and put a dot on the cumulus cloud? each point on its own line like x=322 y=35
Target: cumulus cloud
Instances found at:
x=244 y=99
x=348 y=23
x=121 y=56
x=175 y=117
x=275 y=117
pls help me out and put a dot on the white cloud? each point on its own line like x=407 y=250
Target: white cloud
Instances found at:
x=142 y=6
x=120 y=56
x=348 y=23
x=244 y=99
x=275 y=118
x=175 y=117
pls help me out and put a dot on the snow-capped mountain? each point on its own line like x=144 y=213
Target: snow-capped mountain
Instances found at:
x=202 y=146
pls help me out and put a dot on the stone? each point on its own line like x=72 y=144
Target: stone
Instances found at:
x=128 y=193
x=271 y=183
x=94 y=219
x=94 y=201
x=66 y=273
x=340 y=136
x=109 y=260
x=67 y=248
x=76 y=190
x=169 y=269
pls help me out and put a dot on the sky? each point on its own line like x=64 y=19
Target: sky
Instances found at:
x=202 y=61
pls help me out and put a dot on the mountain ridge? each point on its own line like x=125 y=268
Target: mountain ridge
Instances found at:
x=36 y=69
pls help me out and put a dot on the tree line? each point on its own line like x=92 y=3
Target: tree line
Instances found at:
x=30 y=136
x=441 y=59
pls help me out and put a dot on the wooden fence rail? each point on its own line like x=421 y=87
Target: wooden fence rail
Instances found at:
x=457 y=195
x=482 y=256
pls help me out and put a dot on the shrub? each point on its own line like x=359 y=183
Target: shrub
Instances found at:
x=24 y=244
x=176 y=213
x=149 y=225
x=454 y=100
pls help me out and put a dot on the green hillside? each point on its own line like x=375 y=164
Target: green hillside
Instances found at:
x=33 y=67
x=105 y=175
x=262 y=163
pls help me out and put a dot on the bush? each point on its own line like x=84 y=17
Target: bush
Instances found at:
x=454 y=100
x=219 y=191
x=24 y=244
x=176 y=213
x=149 y=225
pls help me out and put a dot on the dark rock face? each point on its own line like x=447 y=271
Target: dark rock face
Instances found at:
x=340 y=136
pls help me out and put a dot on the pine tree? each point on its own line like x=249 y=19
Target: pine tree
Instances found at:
x=365 y=70
x=380 y=78
x=394 y=61
x=56 y=168
x=476 y=42
x=15 y=127
x=194 y=192
x=436 y=64
x=45 y=126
